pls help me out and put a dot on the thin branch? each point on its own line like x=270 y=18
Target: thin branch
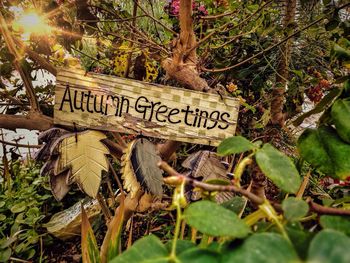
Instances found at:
x=178 y=178
x=319 y=209
x=36 y=57
x=18 y=145
x=271 y=47
x=218 y=15
x=128 y=60
x=201 y=41
x=209 y=187
x=24 y=75
x=155 y=19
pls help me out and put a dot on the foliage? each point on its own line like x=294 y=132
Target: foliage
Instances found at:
x=25 y=203
x=238 y=51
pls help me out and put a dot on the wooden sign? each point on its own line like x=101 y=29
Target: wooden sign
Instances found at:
x=104 y=102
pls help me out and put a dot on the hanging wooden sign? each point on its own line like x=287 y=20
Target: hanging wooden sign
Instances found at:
x=104 y=102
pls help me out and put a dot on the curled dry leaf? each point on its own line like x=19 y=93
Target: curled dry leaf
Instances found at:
x=85 y=155
x=207 y=166
x=140 y=170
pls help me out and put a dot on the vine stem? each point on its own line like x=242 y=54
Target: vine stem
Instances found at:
x=176 y=233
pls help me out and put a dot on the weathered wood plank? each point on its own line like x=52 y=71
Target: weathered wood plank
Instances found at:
x=104 y=102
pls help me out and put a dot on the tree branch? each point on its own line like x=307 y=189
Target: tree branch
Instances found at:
x=32 y=121
x=178 y=178
x=24 y=75
x=155 y=19
x=271 y=47
x=20 y=145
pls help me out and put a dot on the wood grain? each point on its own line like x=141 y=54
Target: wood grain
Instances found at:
x=135 y=107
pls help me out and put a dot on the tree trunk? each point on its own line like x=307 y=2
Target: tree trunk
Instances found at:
x=277 y=116
x=182 y=67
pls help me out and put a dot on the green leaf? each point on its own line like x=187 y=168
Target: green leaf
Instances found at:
x=212 y=219
x=235 y=204
x=197 y=255
x=279 y=168
x=339 y=223
x=329 y=246
x=326 y=151
x=294 y=209
x=341 y=116
x=2 y=217
x=89 y=248
x=17 y=208
x=311 y=149
x=263 y=248
x=147 y=249
x=300 y=238
x=5 y=255
x=181 y=246
x=324 y=104
x=233 y=145
x=341 y=53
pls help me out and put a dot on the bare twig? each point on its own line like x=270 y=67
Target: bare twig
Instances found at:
x=201 y=41
x=155 y=19
x=209 y=187
x=271 y=47
x=128 y=60
x=24 y=75
x=178 y=178
x=20 y=145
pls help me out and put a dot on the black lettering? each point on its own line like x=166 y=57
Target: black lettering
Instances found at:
x=69 y=99
x=88 y=101
x=201 y=114
x=100 y=110
x=195 y=118
x=142 y=108
x=153 y=104
x=122 y=104
x=222 y=118
x=81 y=107
x=214 y=119
x=187 y=112
x=171 y=113
x=159 y=111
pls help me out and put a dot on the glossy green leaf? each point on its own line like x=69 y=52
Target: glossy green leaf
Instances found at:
x=326 y=151
x=212 y=219
x=235 y=204
x=311 y=149
x=279 y=168
x=197 y=255
x=147 y=249
x=324 y=104
x=341 y=116
x=339 y=223
x=263 y=248
x=329 y=246
x=233 y=145
x=294 y=209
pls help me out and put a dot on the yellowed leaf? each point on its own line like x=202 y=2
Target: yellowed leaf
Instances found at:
x=85 y=155
x=129 y=178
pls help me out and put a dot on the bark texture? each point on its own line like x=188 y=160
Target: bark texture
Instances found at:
x=182 y=66
x=277 y=116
